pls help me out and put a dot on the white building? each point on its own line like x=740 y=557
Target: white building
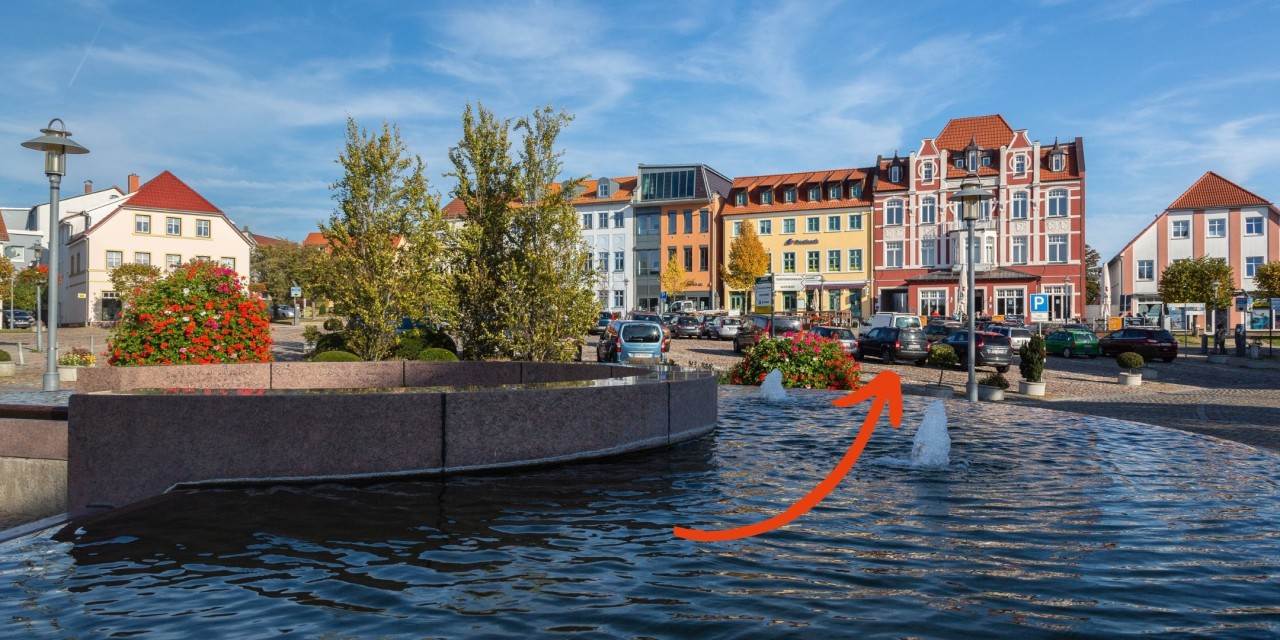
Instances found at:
x=604 y=206
x=164 y=222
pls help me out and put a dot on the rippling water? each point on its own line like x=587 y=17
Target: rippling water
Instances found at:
x=1046 y=525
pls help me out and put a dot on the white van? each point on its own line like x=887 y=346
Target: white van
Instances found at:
x=889 y=319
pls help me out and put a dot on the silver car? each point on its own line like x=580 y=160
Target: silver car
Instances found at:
x=726 y=328
x=845 y=336
x=1017 y=336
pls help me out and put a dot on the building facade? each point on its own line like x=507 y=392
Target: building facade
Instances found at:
x=1030 y=237
x=813 y=224
x=608 y=223
x=1216 y=218
x=675 y=206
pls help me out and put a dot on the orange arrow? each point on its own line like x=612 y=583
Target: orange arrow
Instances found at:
x=886 y=387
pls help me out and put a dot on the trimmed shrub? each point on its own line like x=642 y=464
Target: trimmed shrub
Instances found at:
x=943 y=355
x=437 y=354
x=332 y=324
x=336 y=356
x=1031 y=359
x=311 y=333
x=331 y=342
x=996 y=379
x=5 y=357
x=1129 y=360
x=805 y=361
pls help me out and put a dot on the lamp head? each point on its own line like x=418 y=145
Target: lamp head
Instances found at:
x=971 y=195
x=55 y=143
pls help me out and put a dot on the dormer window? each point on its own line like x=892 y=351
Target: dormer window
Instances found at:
x=895 y=173
x=959 y=164
x=602 y=189
x=789 y=195
x=741 y=199
x=833 y=193
x=1058 y=161
x=986 y=161
x=766 y=196
x=972 y=155
x=855 y=191
x=926 y=171
x=815 y=194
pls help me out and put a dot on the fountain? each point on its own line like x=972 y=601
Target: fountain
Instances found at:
x=1060 y=525
x=771 y=388
x=931 y=447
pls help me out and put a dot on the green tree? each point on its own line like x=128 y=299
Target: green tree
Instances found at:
x=129 y=278
x=1266 y=280
x=7 y=273
x=521 y=277
x=673 y=279
x=384 y=240
x=1191 y=280
x=1092 y=276
x=275 y=268
x=747 y=261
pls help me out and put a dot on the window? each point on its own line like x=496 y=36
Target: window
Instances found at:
x=855 y=222
x=811 y=263
x=926 y=172
x=602 y=189
x=671 y=222
x=895 y=173
x=812 y=225
x=833 y=260
x=602 y=262
x=1251 y=264
x=1018 y=252
x=704 y=258
x=114 y=259
x=789 y=195
x=740 y=199
x=833 y=193
x=1181 y=229
x=667 y=185
x=1020 y=164
x=1146 y=269
x=619 y=261
x=587 y=219
x=855 y=191
x=203 y=258
x=1218 y=228
x=766 y=227
x=934 y=300
x=173 y=226
x=855 y=259
x=617 y=219
x=788 y=225
x=688 y=220
x=833 y=299
x=142 y=224
x=815 y=194
x=929 y=210
x=893 y=254
x=971 y=159
x=893 y=212
x=1058 y=203
x=1020 y=205
x=229 y=263
x=704 y=220
x=959 y=163
x=737 y=228
x=766 y=196
x=1009 y=302
x=989 y=250
x=1058 y=161
x=1058 y=248
x=671 y=254
x=647 y=224
x=142 y=257
x=1253 y=226
x=647 y=262
x=833 y=223
x=986 y=161
x=688 y=259
x=928 y=253
x=603 y=220
x=172 y=261
x=619 y=298
x=788 y=262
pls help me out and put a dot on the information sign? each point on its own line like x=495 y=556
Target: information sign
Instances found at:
x=295 y=292
x=1039 y=307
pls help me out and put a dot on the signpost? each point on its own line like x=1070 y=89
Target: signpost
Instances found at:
x=1039 y=308
x=295 y=292
x=764 y=291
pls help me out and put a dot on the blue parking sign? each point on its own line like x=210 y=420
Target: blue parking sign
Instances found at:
x=663 y=295
x=1039 y=303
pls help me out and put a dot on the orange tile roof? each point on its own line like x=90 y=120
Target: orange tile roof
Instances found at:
x=1071 y=169
x=1213 y=190
x=4 y=231
x=268 y=240
x=166 y=191
x=990 y=132
x=315 y=238
x=626 y=185
x=750 y=183
x=454 y=210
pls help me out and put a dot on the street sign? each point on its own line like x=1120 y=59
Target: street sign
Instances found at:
x=788 y=283
x=764 y=290
x=662 y=295
x=1039 y=307
x=295 y=292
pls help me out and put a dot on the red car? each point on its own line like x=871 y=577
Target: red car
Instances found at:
x=1130 y=339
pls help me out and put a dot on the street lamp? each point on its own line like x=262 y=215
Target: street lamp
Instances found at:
x=1213 y=316
x=56 y=143
x=971 y=196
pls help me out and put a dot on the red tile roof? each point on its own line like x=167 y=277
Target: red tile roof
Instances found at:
x=315 y=238
x=626 y=185
x=1071 y=170
x=991 y=132
x=268 y=240
x=455 y=209
x=166 y=191
x=4 y=231
x=752 y=184
x=1213 y=190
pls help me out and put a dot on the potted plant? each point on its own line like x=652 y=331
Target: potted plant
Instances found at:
x=943 y=357
x=1031 y=365
x=1131 y=361
x=7 y=368
x=992 y=387
x=71 y=361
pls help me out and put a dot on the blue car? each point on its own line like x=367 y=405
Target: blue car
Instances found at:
x=627 y=340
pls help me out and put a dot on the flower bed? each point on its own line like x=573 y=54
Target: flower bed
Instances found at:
x=805 y=360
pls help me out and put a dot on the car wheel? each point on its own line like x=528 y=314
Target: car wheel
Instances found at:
x=1066 y=352
x=1092 y=356
x=736 y=348
x=1004 y=369
x=1168 y=359
x=887 y=356
x=921 y=362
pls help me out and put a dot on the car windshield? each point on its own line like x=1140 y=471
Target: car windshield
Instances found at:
x=786 y=324
x=997 y=340
x=907 y=321
x=1162 y=335
x=1021 y=333
x=688 y=320
x=732 y=322
x=641 y=333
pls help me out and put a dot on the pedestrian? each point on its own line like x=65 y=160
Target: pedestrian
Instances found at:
x=1220 y=339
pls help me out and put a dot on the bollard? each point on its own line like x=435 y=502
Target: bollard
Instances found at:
x=22 y=359
x=1204 y=344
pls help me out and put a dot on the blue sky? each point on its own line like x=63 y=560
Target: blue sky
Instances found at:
x=246 y=101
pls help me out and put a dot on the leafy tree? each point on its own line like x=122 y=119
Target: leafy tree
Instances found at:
x=1191 y=280
x=24 y=287
x=1266 y=280
x=520 y=276
x=129 y=278
x=384 y=261
x=673 y=279
x=747 y=261
x=7 y=272
x=275 y=268
x=1092 y=275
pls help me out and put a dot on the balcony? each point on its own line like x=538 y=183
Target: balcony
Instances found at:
x=953 y=226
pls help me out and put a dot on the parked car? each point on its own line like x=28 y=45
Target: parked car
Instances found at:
x=686 y=327
x=647 y=316
x=626 y=340
x=936 y=331
x=1080 y=327
x=282 y=312
x=1017 y=335
x=755 y=327
x=602 y=323
x=1073 y=343
x=889 y=319
x=989 y=349
x=892 y=344
x=725 y=327
x=844 y=335
x=707 y=325
x=17 y=319
x=1131 y=338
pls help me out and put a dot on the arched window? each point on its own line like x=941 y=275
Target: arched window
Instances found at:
x=1020 y=164
x=1058 y=161
x=1058 y=203
x=895 y=173
x=1020 y=205
x=928 y=210
x=893 y=212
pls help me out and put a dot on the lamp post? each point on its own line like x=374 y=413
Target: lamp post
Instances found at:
x=56 y=143
x=1213 y=317
x=1066 y=299
x=971 y=196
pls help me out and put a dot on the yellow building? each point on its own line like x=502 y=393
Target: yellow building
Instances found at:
x=816 y=225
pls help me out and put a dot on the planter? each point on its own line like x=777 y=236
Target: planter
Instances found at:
x=991 y=394
x=935 y=391
x=8 y=369
x=1031 y=388
x=67 y=373
x=1130 y=379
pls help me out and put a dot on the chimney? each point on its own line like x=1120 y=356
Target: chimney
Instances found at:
x=133 y=182
x=88 y=186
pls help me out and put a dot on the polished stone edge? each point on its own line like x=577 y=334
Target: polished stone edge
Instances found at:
x=33 y=411
x=33 y=528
